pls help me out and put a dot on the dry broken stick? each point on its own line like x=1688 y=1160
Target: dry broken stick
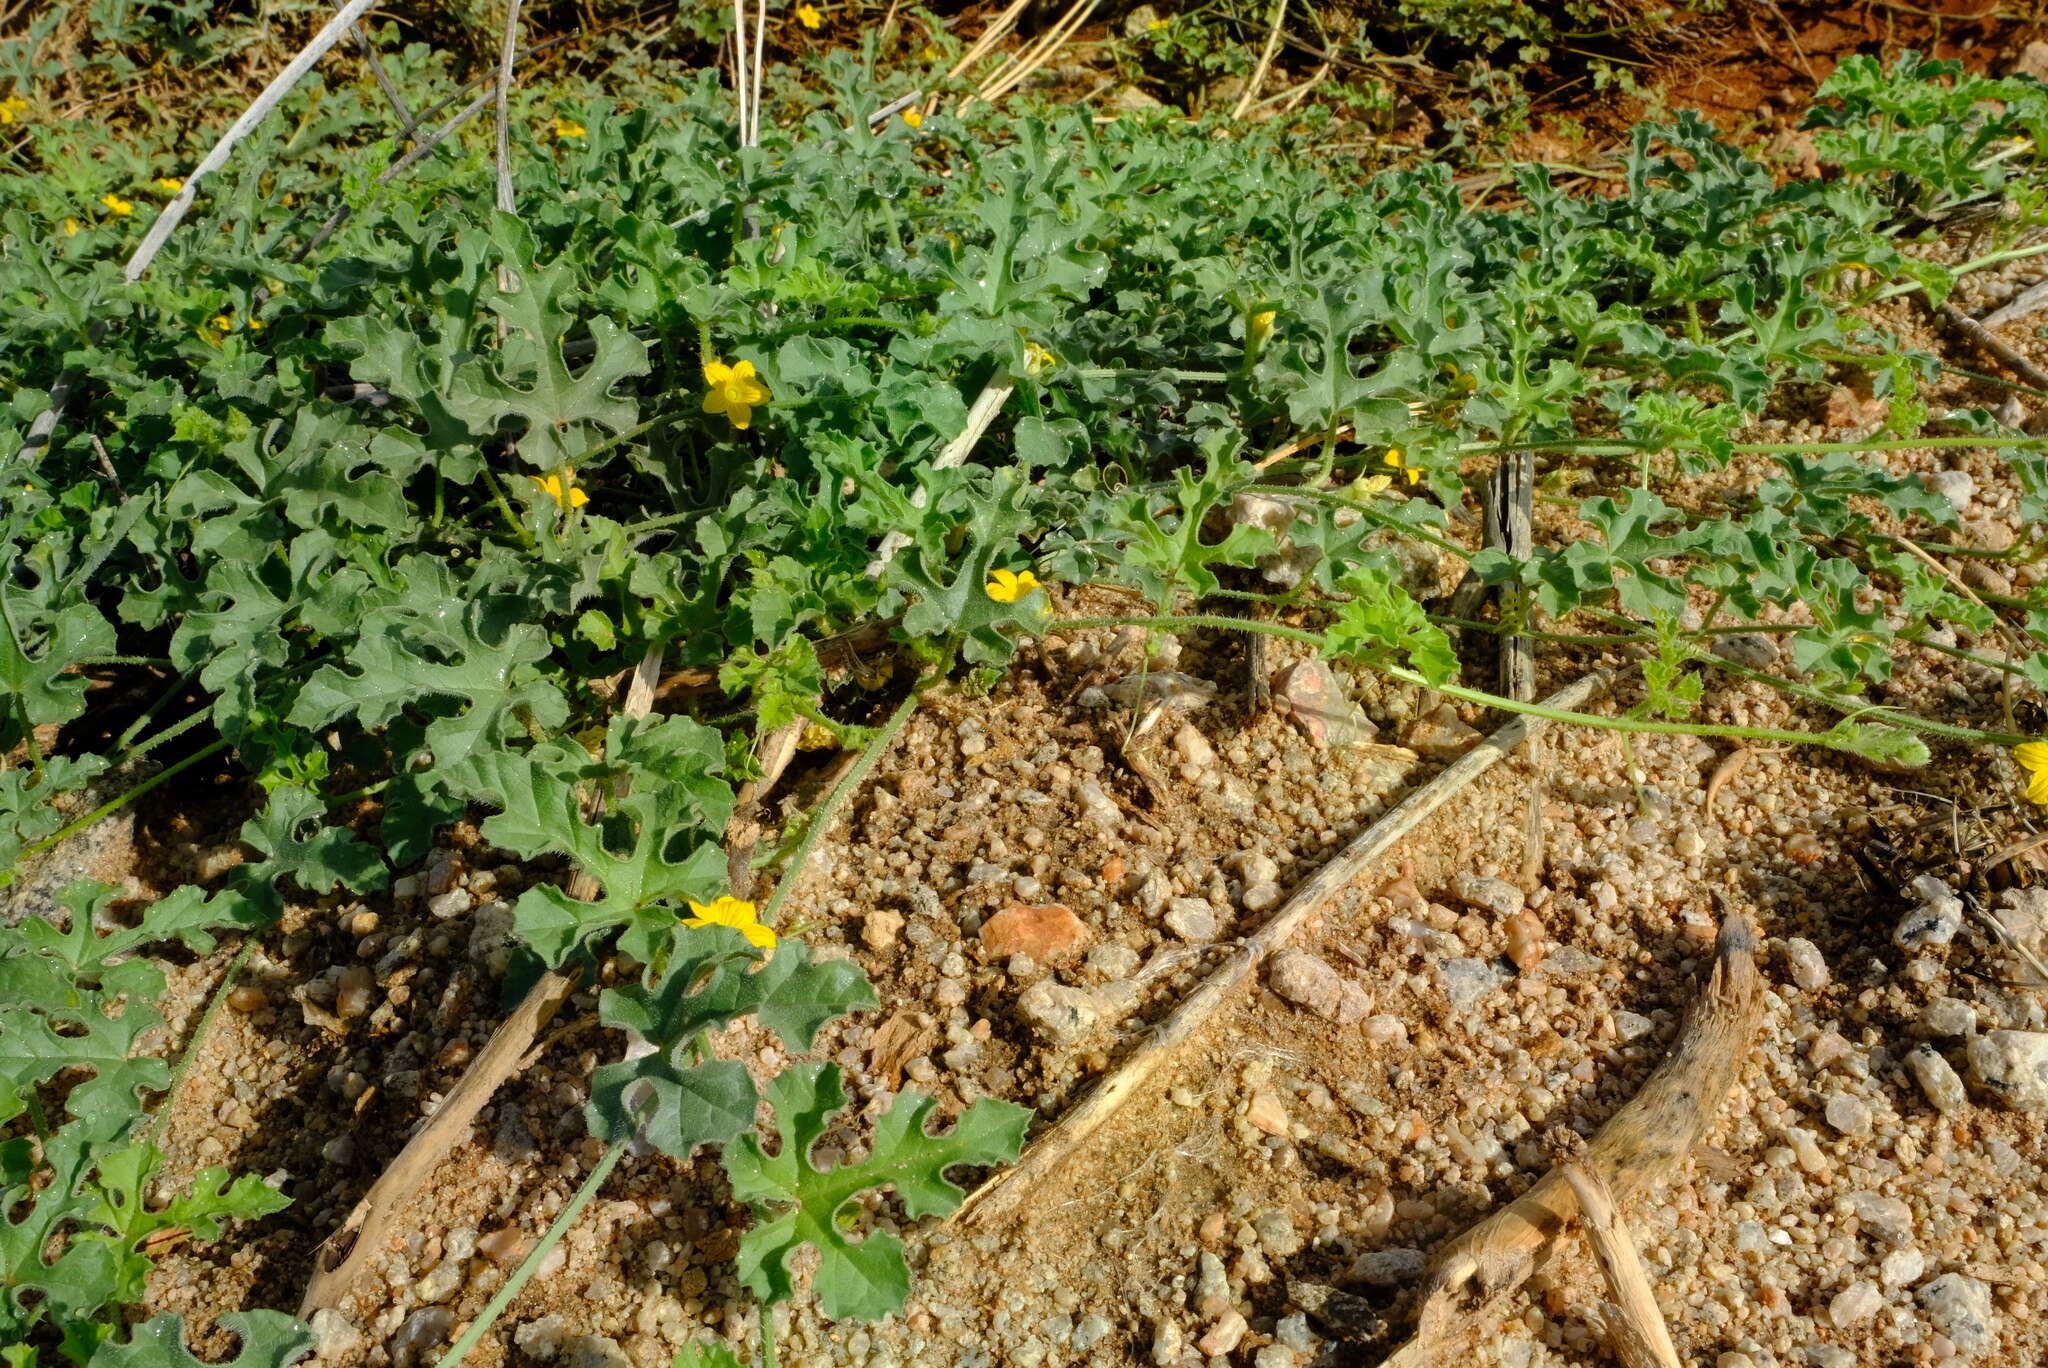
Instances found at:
x=743 y=829
x=1640 y=1146
x=1009 y=1193
x=1634 y=1322
x=344 y=1255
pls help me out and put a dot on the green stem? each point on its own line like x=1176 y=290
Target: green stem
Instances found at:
x=524 y=1273
x=497 y=491
x=135 y=727
x=1904 y=721
x=1117 y=372
x=1906 y=287
x=111 y=806
x=821 y=818
x=172 y=732
x=191 y=1055
x=1377 y=515
x=1621 y=446
x=1220 y=623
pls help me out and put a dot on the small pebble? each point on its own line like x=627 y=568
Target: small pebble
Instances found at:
x=1192 y=919
x=1902 y=1267
x=1389 y=1267
x=355 y=991
x=1947 y=1016
x=1307 y=981
x=1847 y=1114
x=1802 y=957
x=247 y=998
x=1225 y=1335
x=1526 y=943
x=1267 y=1112
x=1960 y=1307
x=879 y=929
x=1938 y=1080
x=2012 y=1068
x=504 y=1248
x=453 y=903
x=1855 y=1303
x=422 y=1331
x=1497 y=896
x=1259 y=897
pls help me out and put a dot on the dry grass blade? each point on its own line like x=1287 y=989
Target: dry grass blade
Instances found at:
x=508 y=51
x=384 y=82
x=983 y=412
x=1251 y=87
x=990 y=36
x=1014 y=72
x=1638 y=1148
x=280 y=85
x=1635 y=1325
x=420 y=149
x=45 y=423
x=1009 y=1193
x=343 y=1257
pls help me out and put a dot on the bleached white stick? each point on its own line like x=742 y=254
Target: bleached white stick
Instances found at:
x=280 y=85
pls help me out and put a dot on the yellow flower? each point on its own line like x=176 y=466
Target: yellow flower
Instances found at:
x=1008 y=586
x=930 y=54
x=1262 y=325
x=1393 y=458
x=808 y=16
x=1157 y=24
x=734 y=391
x=1365 y=486
x=169 y=183
x=737 y=913
x=567 y=128
x=2033 y=758
x=71 y=227
x=562 y=489
x=117 y=206
x=816 y=738
x=1037 y=359
x=255 y=325
x=222 y=323
x=914 y=118
x=12 y=108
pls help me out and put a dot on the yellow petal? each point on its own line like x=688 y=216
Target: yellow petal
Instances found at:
x=743 y=370
x=914 y=118
x=2032 y=755
x=2037 y=788
x=741 y=415
x=577 y=498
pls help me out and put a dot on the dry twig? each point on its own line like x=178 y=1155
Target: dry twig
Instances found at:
x=1633 y=1153
x=1251 y=88
x=45 y=423
x=1008 y=1193
x=343 y=1256
x=1994 y=344
x=1634 y=1323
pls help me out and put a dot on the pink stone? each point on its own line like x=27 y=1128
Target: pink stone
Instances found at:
x=1044 y=933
